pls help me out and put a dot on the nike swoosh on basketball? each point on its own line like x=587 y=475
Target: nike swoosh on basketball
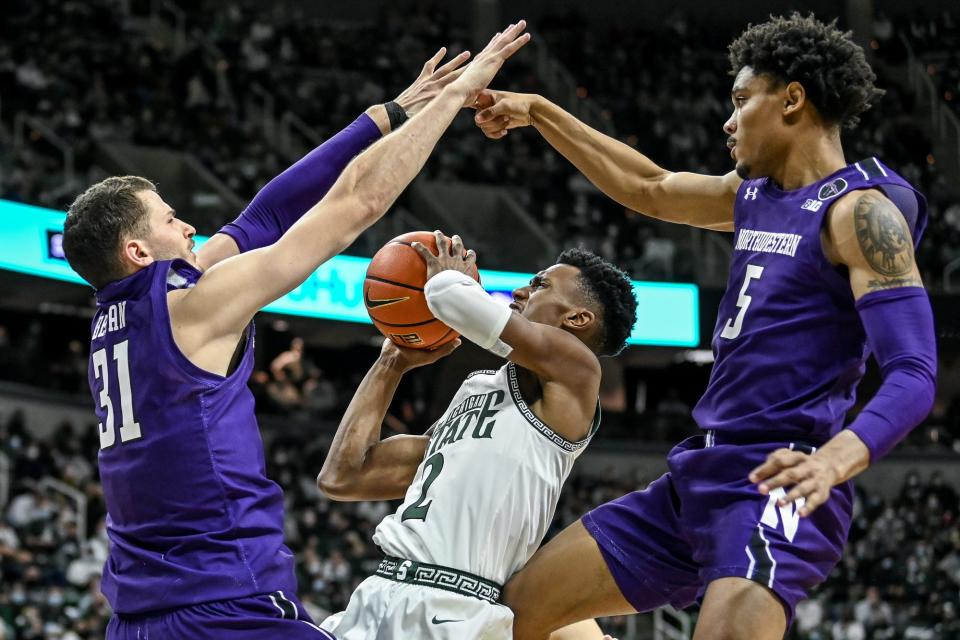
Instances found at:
x=373 y=304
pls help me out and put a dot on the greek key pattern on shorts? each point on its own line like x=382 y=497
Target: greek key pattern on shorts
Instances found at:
x=431 y=575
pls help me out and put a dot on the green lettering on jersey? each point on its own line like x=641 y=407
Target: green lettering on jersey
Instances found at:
x=484 y=428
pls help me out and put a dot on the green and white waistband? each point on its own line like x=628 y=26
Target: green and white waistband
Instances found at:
x=431 y=575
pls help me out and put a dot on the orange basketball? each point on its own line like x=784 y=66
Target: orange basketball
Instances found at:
x=393 y=294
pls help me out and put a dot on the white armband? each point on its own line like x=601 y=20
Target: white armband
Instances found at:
x=460 y=302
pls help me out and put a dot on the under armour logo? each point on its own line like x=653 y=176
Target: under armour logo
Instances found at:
x=751 y=193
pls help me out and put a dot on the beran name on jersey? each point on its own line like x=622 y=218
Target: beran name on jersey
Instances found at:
x=477 y=411
x=113 y=318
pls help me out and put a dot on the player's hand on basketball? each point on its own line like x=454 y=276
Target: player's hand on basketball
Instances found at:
x=450 y=255
x=431 y=81
x=802 y=478
x=499 y=111
x=404 y=359
x=481 y=70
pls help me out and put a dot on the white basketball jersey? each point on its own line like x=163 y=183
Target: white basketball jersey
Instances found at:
x=486 y=491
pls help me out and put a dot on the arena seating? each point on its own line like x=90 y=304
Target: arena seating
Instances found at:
x=664 y=91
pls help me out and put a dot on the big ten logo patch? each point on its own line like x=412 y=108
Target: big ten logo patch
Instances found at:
x=406 y=338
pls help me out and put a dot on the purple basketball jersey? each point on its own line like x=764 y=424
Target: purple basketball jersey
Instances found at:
x=192 y=517
x=789 y=345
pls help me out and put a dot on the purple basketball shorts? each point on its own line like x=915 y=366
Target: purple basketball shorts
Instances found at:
x=272 y=615
x=704 y=520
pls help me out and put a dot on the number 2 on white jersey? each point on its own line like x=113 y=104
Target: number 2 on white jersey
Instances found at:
x=130 y=429
x=733 y=326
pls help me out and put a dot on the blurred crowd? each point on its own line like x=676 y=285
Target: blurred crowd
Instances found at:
x=297 y=384
x=94 y=74
x=900 y=577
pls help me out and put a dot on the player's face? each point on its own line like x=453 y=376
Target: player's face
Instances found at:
x=551 y=294
x=169 y=236
x=755 y=130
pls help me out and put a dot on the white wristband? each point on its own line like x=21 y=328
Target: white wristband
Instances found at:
x=460 y=302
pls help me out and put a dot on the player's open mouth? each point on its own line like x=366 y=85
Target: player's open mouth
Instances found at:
x=516 y=307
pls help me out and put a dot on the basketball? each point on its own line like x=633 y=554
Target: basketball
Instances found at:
x=393 y=294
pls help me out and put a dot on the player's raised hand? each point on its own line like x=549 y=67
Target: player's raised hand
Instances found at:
x=406 y=359
x=431 y=80
x=481 y=70
x=450 y=255
x=499 y=111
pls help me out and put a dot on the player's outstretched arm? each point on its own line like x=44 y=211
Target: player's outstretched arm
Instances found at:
x=868 y=235
x=361 y=466
x=227 y=296
x=568 y=370
x=618 y=170
x=283 y=200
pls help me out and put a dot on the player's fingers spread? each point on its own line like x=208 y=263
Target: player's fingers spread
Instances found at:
x=813 y=501
x=515 y=29
x=443 y=243
x=767 y=469
x=801 y=490
x=471 y=257
x=782 y=479
x=423 y=251
x=456 y=245
x=515 y=46
x=512 y=33
x=432 y=63
x=452 y=65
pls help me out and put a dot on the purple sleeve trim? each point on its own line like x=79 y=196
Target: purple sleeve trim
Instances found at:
x=900 y=332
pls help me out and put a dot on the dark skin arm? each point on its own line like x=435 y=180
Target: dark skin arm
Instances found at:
x=868 y=234
x=361 y=466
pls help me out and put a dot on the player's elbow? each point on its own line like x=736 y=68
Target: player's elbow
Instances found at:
x=336 y=486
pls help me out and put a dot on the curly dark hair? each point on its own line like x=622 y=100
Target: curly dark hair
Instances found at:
x=608 y=287
x=831 y=67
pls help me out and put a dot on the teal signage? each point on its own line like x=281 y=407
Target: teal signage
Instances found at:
x=30 y=242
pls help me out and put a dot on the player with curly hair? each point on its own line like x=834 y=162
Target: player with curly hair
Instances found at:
x=756 y=510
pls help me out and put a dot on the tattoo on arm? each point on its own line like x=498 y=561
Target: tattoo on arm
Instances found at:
x=885 y=241
x=893 y=283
